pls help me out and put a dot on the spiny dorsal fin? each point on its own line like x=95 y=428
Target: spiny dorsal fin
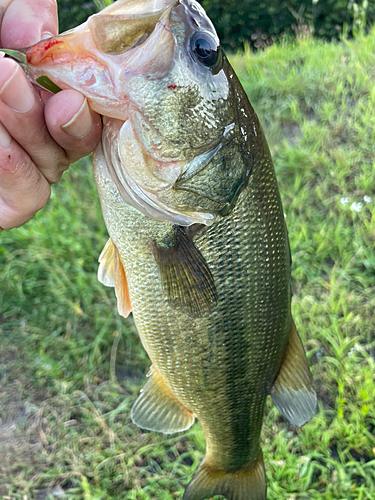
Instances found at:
x=292 y=392
x=111 y=273
x=157 y=409
x=248 y=483
x=186 y=278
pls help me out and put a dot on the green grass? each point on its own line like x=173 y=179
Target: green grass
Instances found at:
x=70 y=367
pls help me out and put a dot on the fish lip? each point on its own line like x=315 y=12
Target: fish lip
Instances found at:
x=51 y=49
x=70 y=49
x=38 y=53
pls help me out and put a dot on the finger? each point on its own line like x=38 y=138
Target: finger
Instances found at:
x=25 y=22
x=3 y=5
x=72 y=124
x=22 y=112
x=23 y=189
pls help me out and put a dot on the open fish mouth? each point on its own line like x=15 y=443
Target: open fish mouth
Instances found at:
x=154 y=71
x=127 y=39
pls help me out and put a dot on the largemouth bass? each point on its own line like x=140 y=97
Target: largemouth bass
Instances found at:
x=198 y=247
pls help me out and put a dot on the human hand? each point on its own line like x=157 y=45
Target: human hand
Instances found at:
x=40 y=133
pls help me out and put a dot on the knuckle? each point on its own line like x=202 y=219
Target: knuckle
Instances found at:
x=11 y=218
x=41 y=200
x=34 y=186
x=24 y=171
x=63 y=166
x=17 y=220
x=56 y=174
x=39 y=191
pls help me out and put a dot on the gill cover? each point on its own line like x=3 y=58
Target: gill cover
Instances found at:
x=132 y=172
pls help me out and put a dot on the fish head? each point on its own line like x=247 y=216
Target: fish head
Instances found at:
x=156 y=66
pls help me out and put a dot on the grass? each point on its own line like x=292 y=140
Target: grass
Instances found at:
x=70 y=367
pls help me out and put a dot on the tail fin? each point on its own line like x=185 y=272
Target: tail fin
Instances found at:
x=248 y=483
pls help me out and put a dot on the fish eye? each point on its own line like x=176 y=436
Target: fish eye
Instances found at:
x=205 y=48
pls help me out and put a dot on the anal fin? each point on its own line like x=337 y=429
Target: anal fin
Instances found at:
x=248 y=483
x=157 y=409
x=292 y=392
x=186 y=278
x=111 y=273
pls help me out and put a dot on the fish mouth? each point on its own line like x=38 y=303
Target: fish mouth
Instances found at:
x=113 y=31
x=47 y=51
x=102 y=59
x=124 y=40
x=98 y=56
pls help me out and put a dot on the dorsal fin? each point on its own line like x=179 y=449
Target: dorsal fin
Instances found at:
x=111 y=273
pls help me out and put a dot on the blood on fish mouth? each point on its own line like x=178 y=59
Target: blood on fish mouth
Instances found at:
x=35 y=55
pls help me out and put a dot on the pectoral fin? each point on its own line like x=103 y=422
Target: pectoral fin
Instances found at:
x=111 y=273
x=186 y=278
x=292 y=392
x=157 y=409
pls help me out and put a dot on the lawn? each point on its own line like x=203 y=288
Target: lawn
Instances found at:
x=71 y=368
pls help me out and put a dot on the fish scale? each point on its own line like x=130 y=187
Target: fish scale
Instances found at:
x=241 y=321
x=198 y=247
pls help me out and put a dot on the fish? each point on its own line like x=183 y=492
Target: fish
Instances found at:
x=198 y=247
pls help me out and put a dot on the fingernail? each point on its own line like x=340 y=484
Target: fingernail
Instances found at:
x=81 y=123
x=15 y=90
x=5 y=138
